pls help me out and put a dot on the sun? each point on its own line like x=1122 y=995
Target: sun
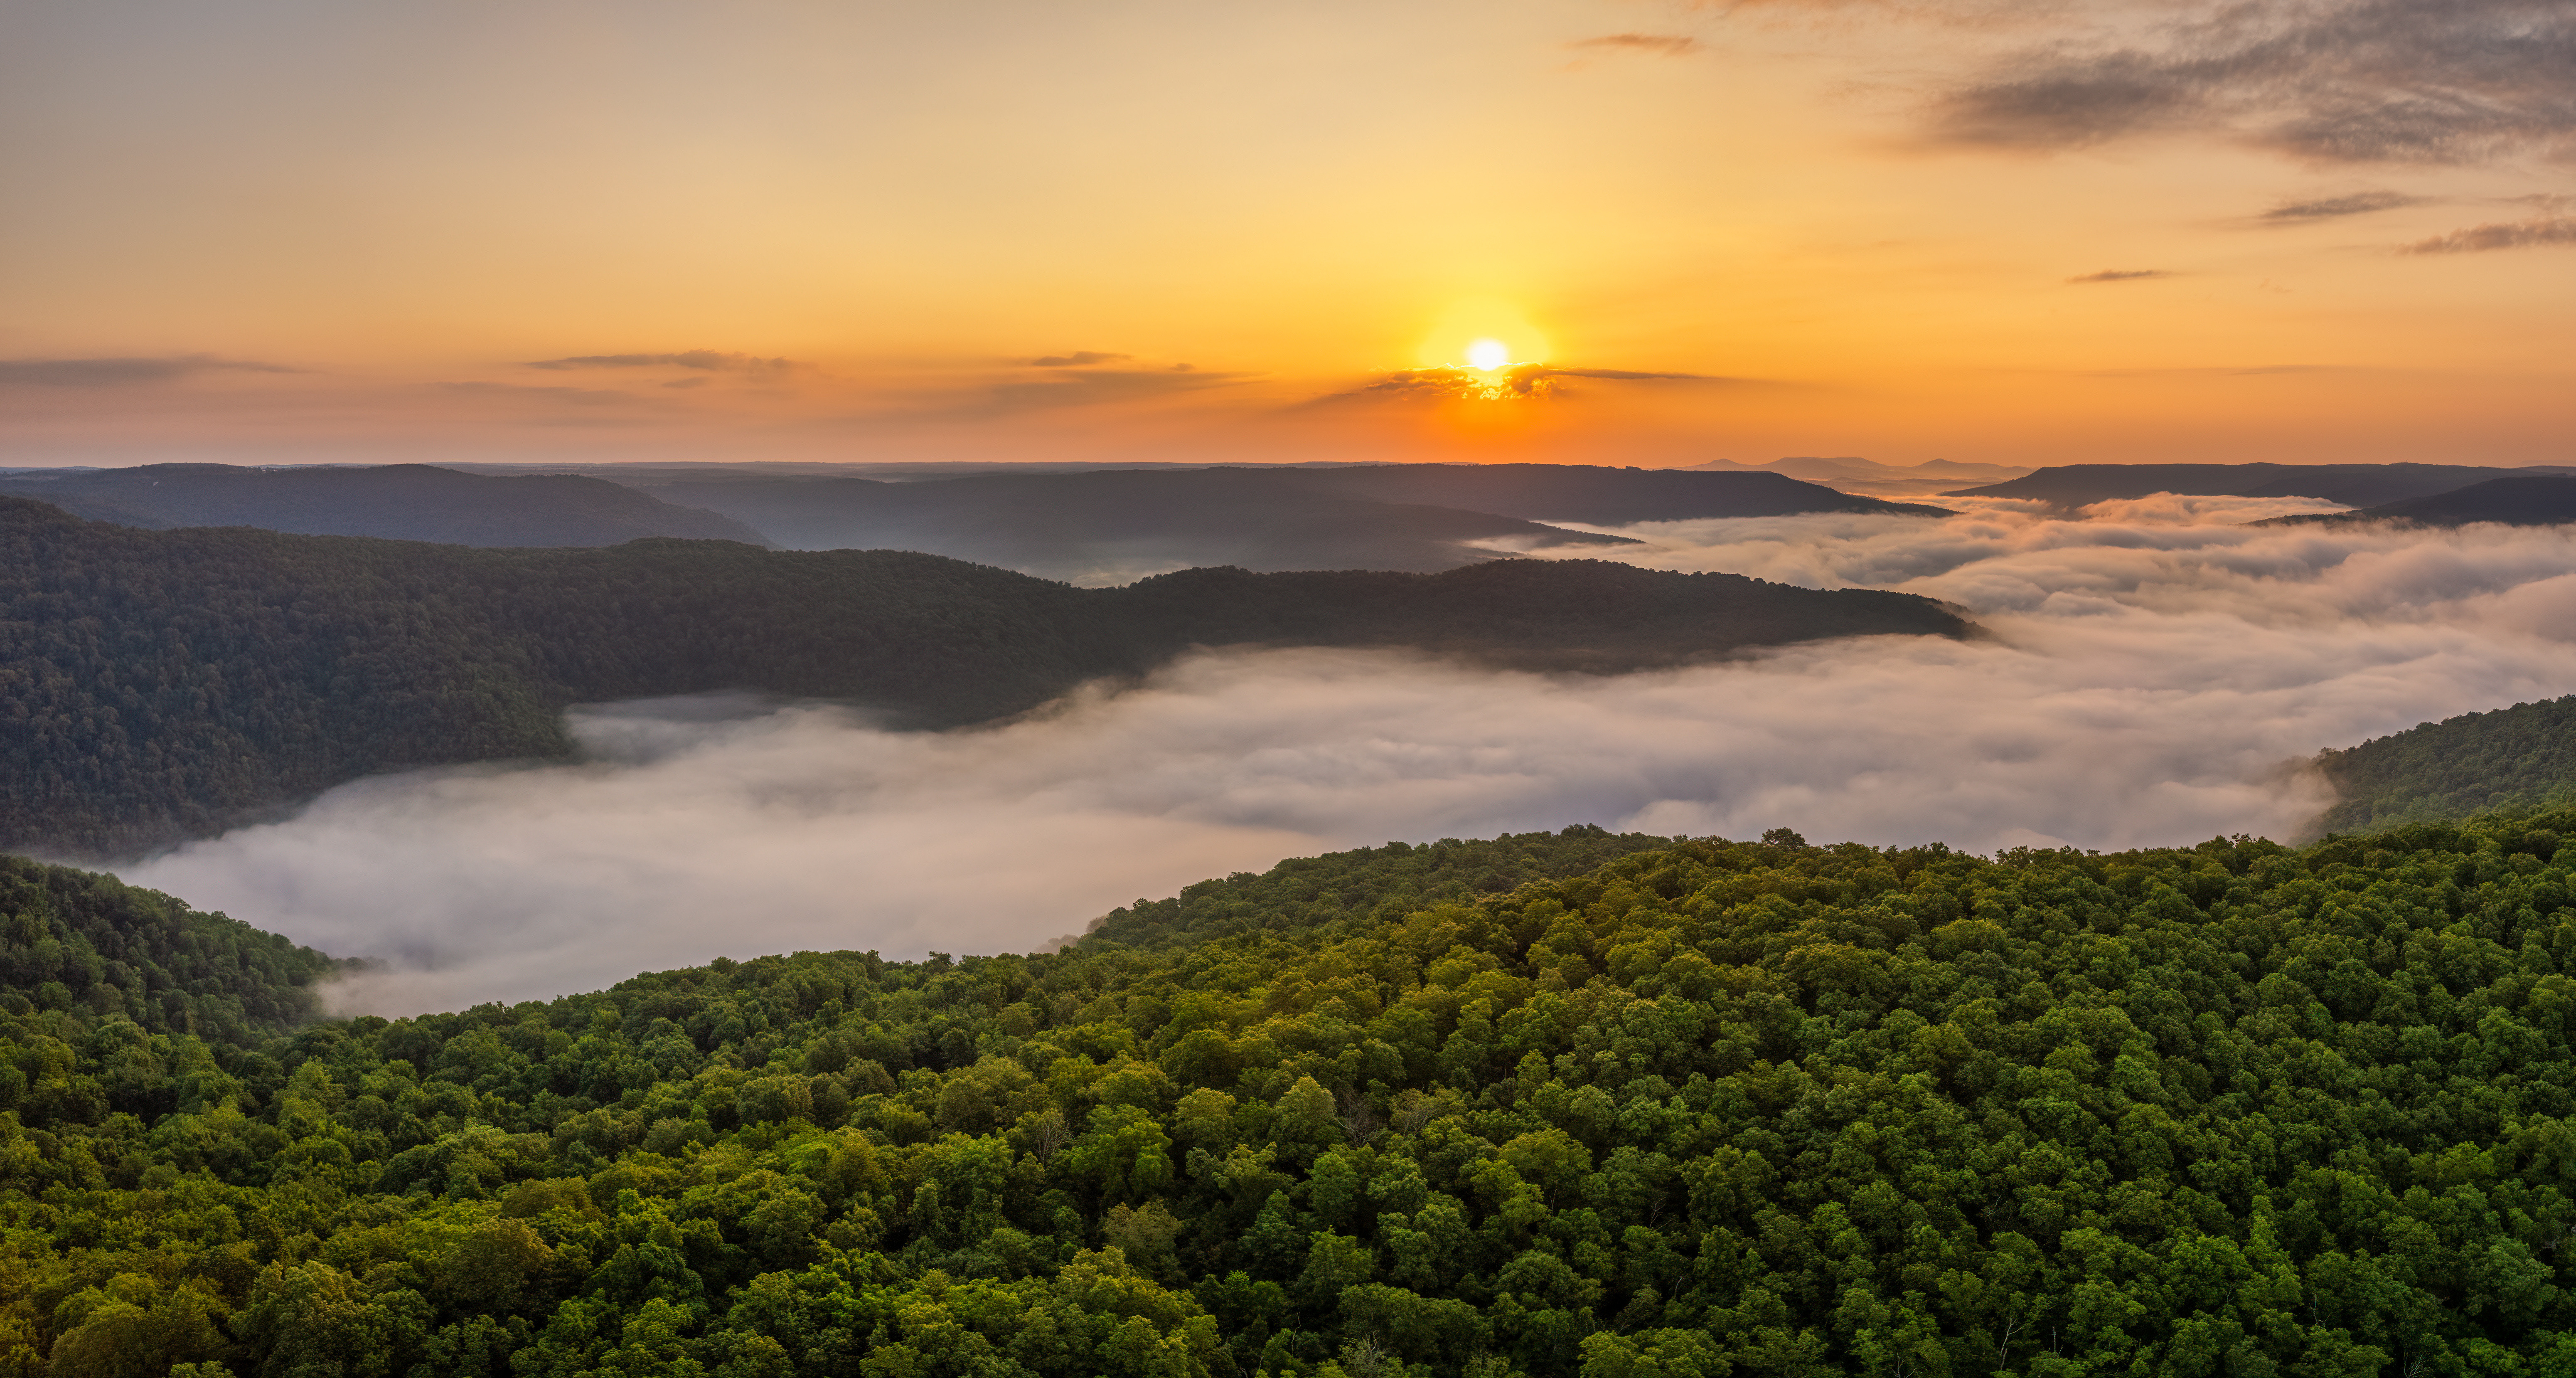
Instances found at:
x=1487 y=333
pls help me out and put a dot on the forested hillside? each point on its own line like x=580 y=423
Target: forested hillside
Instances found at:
x=408 y=502
x=160 y=684
x=1710 y=1108
x=2523 y=756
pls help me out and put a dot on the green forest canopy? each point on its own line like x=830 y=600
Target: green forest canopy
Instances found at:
x=1657 y=1108
x=156 y=685
x=2518 y=757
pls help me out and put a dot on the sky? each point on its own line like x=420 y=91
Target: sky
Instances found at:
x=2004 y=231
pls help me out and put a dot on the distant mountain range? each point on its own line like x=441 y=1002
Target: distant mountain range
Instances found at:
x=1853 y=474
x=2069 y=486
x=404 y=502
x=163 y=684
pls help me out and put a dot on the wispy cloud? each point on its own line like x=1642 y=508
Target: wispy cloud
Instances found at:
x=704 y=360
x=2122 y=275
x=2336 y=207
x=2339 y=80
x=1080 y=358
x=1661 y=44
x=124 y=370
x=2480 y=238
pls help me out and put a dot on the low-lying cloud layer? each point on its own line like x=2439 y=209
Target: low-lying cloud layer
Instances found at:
x=2154 y=673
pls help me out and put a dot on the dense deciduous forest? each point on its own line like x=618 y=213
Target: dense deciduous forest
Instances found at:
x=1696 y=1108
x=2518 y=757
x=162 y=684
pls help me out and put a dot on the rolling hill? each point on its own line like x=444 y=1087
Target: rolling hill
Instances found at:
x=407 y=502
x=2522 y=500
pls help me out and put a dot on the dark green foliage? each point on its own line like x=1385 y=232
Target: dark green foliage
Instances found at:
x=73 y=940
x=2518 y=757
x=1712 y=1108
x=161 y=684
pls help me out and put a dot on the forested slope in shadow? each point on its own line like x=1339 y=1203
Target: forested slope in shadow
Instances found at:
x=406 y=502
x=162 y=684
x=2518 y=757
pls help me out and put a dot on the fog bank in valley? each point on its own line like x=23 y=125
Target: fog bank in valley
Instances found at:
x=2154 y=673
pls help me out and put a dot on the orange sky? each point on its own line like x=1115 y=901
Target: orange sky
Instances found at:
x=796 y=229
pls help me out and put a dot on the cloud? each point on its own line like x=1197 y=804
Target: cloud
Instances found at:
x=2335 y=207
x=124 y=371
x=2152 y=672
x=2121 y=275
x=1664 y=45
x=2460 y=81
x=1081 y=358
x=705 y=360
x=2480 y=238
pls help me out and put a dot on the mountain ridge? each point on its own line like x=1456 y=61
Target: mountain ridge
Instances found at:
x=410 y=502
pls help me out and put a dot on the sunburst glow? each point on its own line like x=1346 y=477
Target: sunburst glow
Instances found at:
x=1488 y=355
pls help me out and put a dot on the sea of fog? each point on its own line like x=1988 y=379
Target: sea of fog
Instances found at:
x=2155 y=674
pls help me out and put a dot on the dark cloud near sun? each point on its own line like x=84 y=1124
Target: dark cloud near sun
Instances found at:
x=124 y=371
x=2121 y=275
x=2336 y=207
x=1453 y=383
x=2357 y=81
x=703 y=360
x=2481 y=238
x=1080 y=358
x=1660 y=44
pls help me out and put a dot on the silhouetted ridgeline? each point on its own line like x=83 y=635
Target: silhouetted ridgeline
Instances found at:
x=155 y=685
x=1709 y=1108
x=2355 y=485
x=409 y=502
x=2518 y=757
x=2531 y=500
